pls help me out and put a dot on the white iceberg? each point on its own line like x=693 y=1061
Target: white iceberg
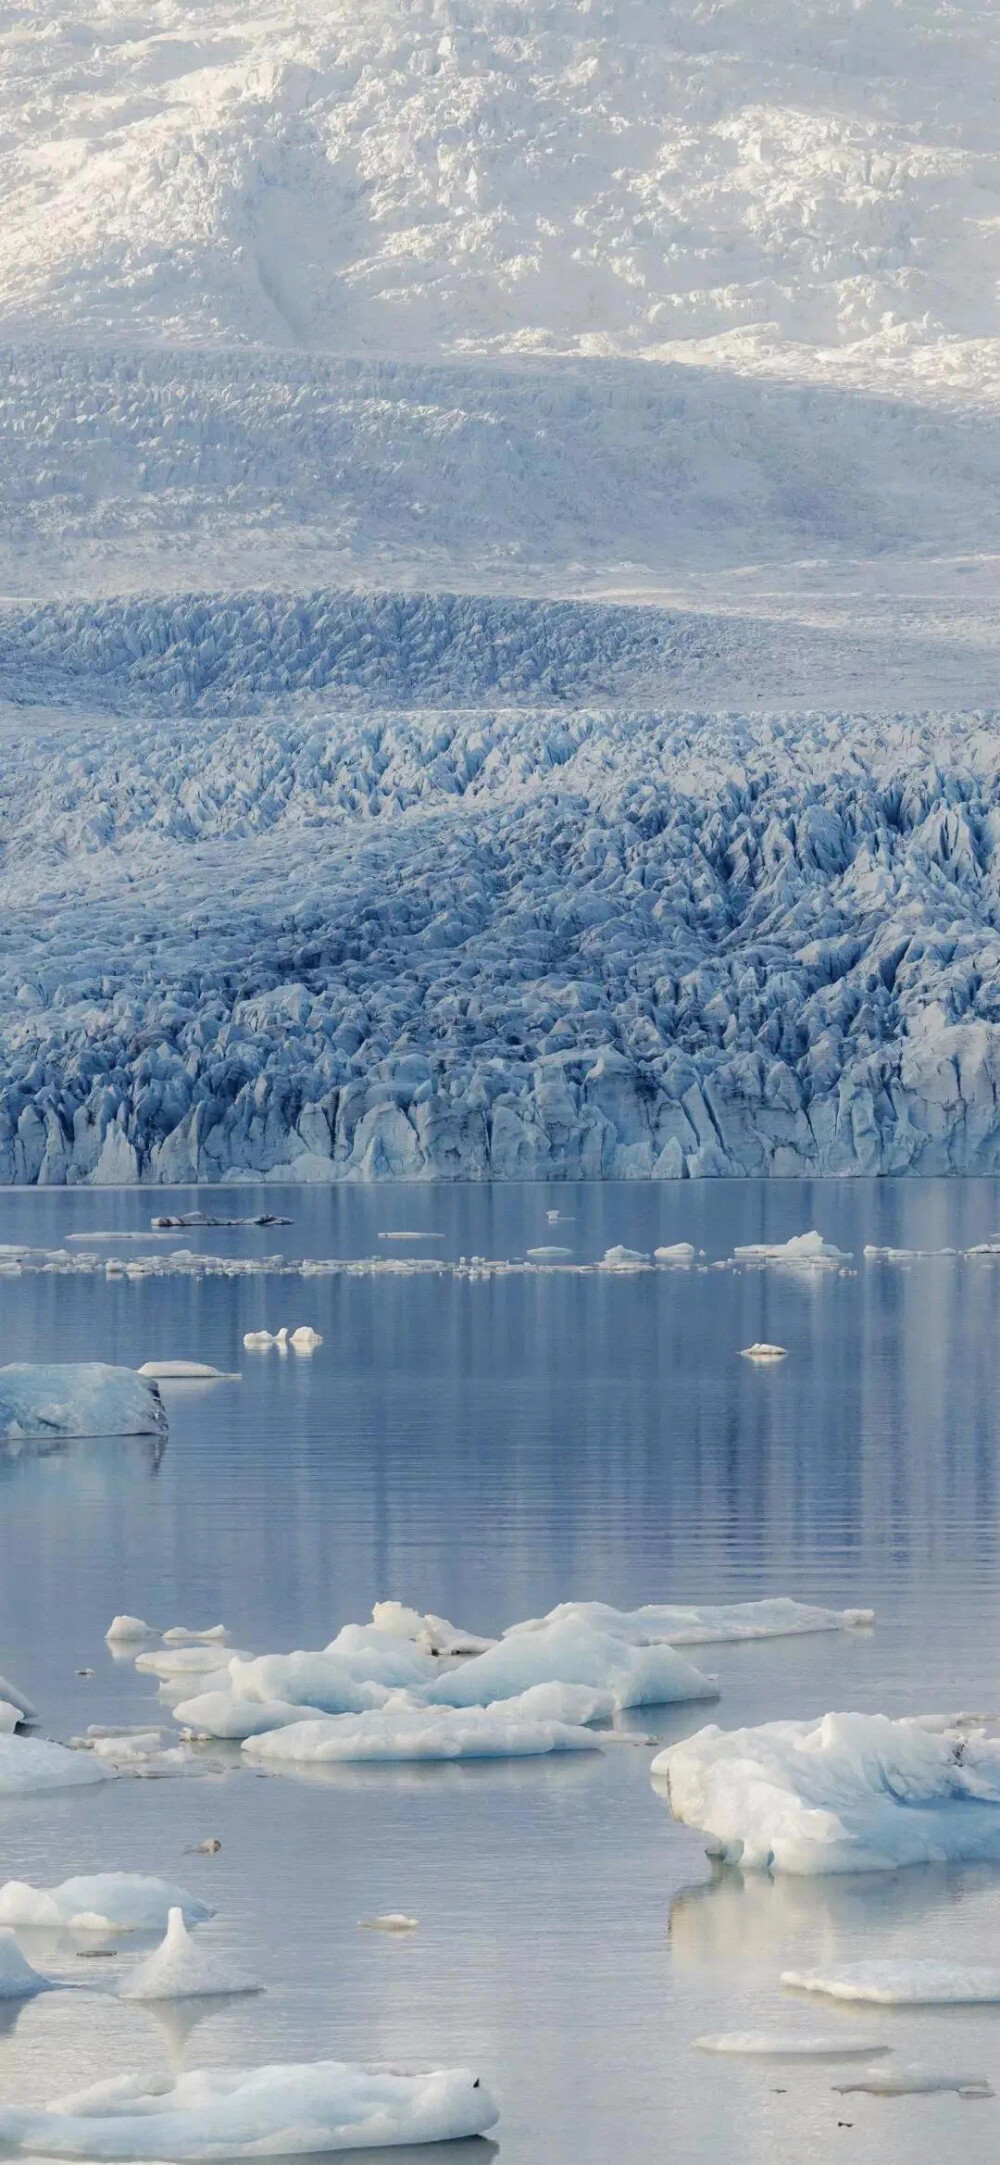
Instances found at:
x=304 y=1338
x=18 y=1981
x=517 y=1728
x=790 y=2045
x=180 y=1970
x=227 y=1715
x=762 y=1350
x=189 y=1659
x=679 y=1251
x=547 y=1255
x=805 y=1251
x=697 y=1624
x=120 y=1901
x=276 y=2111
x=16 y=1698
x=77 y=1398
x=183 y=1635
x=571 y=1652
x=847 y=1793
x=914 y=2082
x=432 y=1634
x=29 y=1767
x=185 y=1372
x=923 y=1982
x=392 y=1920
x=619 y=1258
x=123 y=1630
x=10 y=1716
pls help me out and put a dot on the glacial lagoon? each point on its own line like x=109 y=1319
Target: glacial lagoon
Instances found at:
x=484 y=1448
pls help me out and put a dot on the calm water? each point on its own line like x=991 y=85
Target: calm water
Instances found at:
x=485 y=1450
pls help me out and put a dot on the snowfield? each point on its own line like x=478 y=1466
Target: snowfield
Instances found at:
x=507 y=942
x=498 y=613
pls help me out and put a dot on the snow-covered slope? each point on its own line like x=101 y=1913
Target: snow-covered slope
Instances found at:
x=509 y=941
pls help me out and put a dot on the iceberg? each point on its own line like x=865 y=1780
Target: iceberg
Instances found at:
x=705 y=1624
x=523 y=1727
x=432 y=1634
x=894 y=1983
x=679 y=1251
x=18 y=1981
x=77 y=1398
x=791 y=2045
x=10 y=1717
x=271 y=2111
x=805 y=1251
x=762 y=1351
x=228 y=1715
x=15 y=1698
x=29 y=1766
x=185 y=1372
x=124 y=1630
x=569 y=1651
x=183 y=1635
x=122 y=1901
x=179 y=1969
x=174 y=1662
x=915 y=2082
x=847 y=1793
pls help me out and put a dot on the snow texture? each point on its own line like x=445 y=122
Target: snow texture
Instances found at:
x=895 y=1983
x=29 y=1766
x=180 y=1969
x=124 y=1902
x=851 y=1792
x=77 y=1398
x=280 y=2111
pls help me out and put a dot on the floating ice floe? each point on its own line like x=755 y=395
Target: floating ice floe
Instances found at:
x=184 y=1660
x=914 y=2082
x=180 y=1970
x=394 y=1920
x=128 y=1630
x=77 y=1398
x=547 y=1255
x=30 y=1766
x=571 y=1651
x=212 y=2113
x=433 y=1634
x=619 y=1258
x=704 y=1624
x=762 y=1351
x=186 y=1372
x=805 y=1251
x=229 y=1716
x=117 y=1901
x=258 y=1341
x=791 y=2045
x=552 y=1719
x=18 y=1981
x=10 y=1717
x=9 y=1692
x=404 y=1235
x=183 y=1635
x=847 y=1793
x=893 y=1983
x=679 y=1251
x=304 y=1338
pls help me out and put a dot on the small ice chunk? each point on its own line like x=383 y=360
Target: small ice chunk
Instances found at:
x=922 y=1982
x=512 y=1730
x=807 y=1251
x=619 y=1258
x=185 y=1372
x=792 y=2045
x=77 y=1398
x=269 y=2111
x=394 y=1920
x=123 y=1629
x=304 y=1338
x=914 y=2082
x=547 y=1255
x=13 y=1697
x=182 y=1635
x=18 y=1981
x=180 y=1970
x=186 y=1660
x=122 y=1901
x=762 y=1351
x=403 y=1235
x=29 y=1767
x=257 y=1341
x=227 y=1715
x=679 y=1251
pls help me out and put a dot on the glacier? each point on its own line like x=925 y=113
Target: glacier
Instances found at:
x=509 y=943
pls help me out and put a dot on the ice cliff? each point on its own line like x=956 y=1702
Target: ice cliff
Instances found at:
x=520 y=923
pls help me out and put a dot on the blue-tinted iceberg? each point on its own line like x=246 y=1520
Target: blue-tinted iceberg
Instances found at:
x=29 y=1766
x=848 y=1793
x=123 y=1901
x=551 y=1719
x=278 y=2111
x=572 y=1652
x=77 y=1398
